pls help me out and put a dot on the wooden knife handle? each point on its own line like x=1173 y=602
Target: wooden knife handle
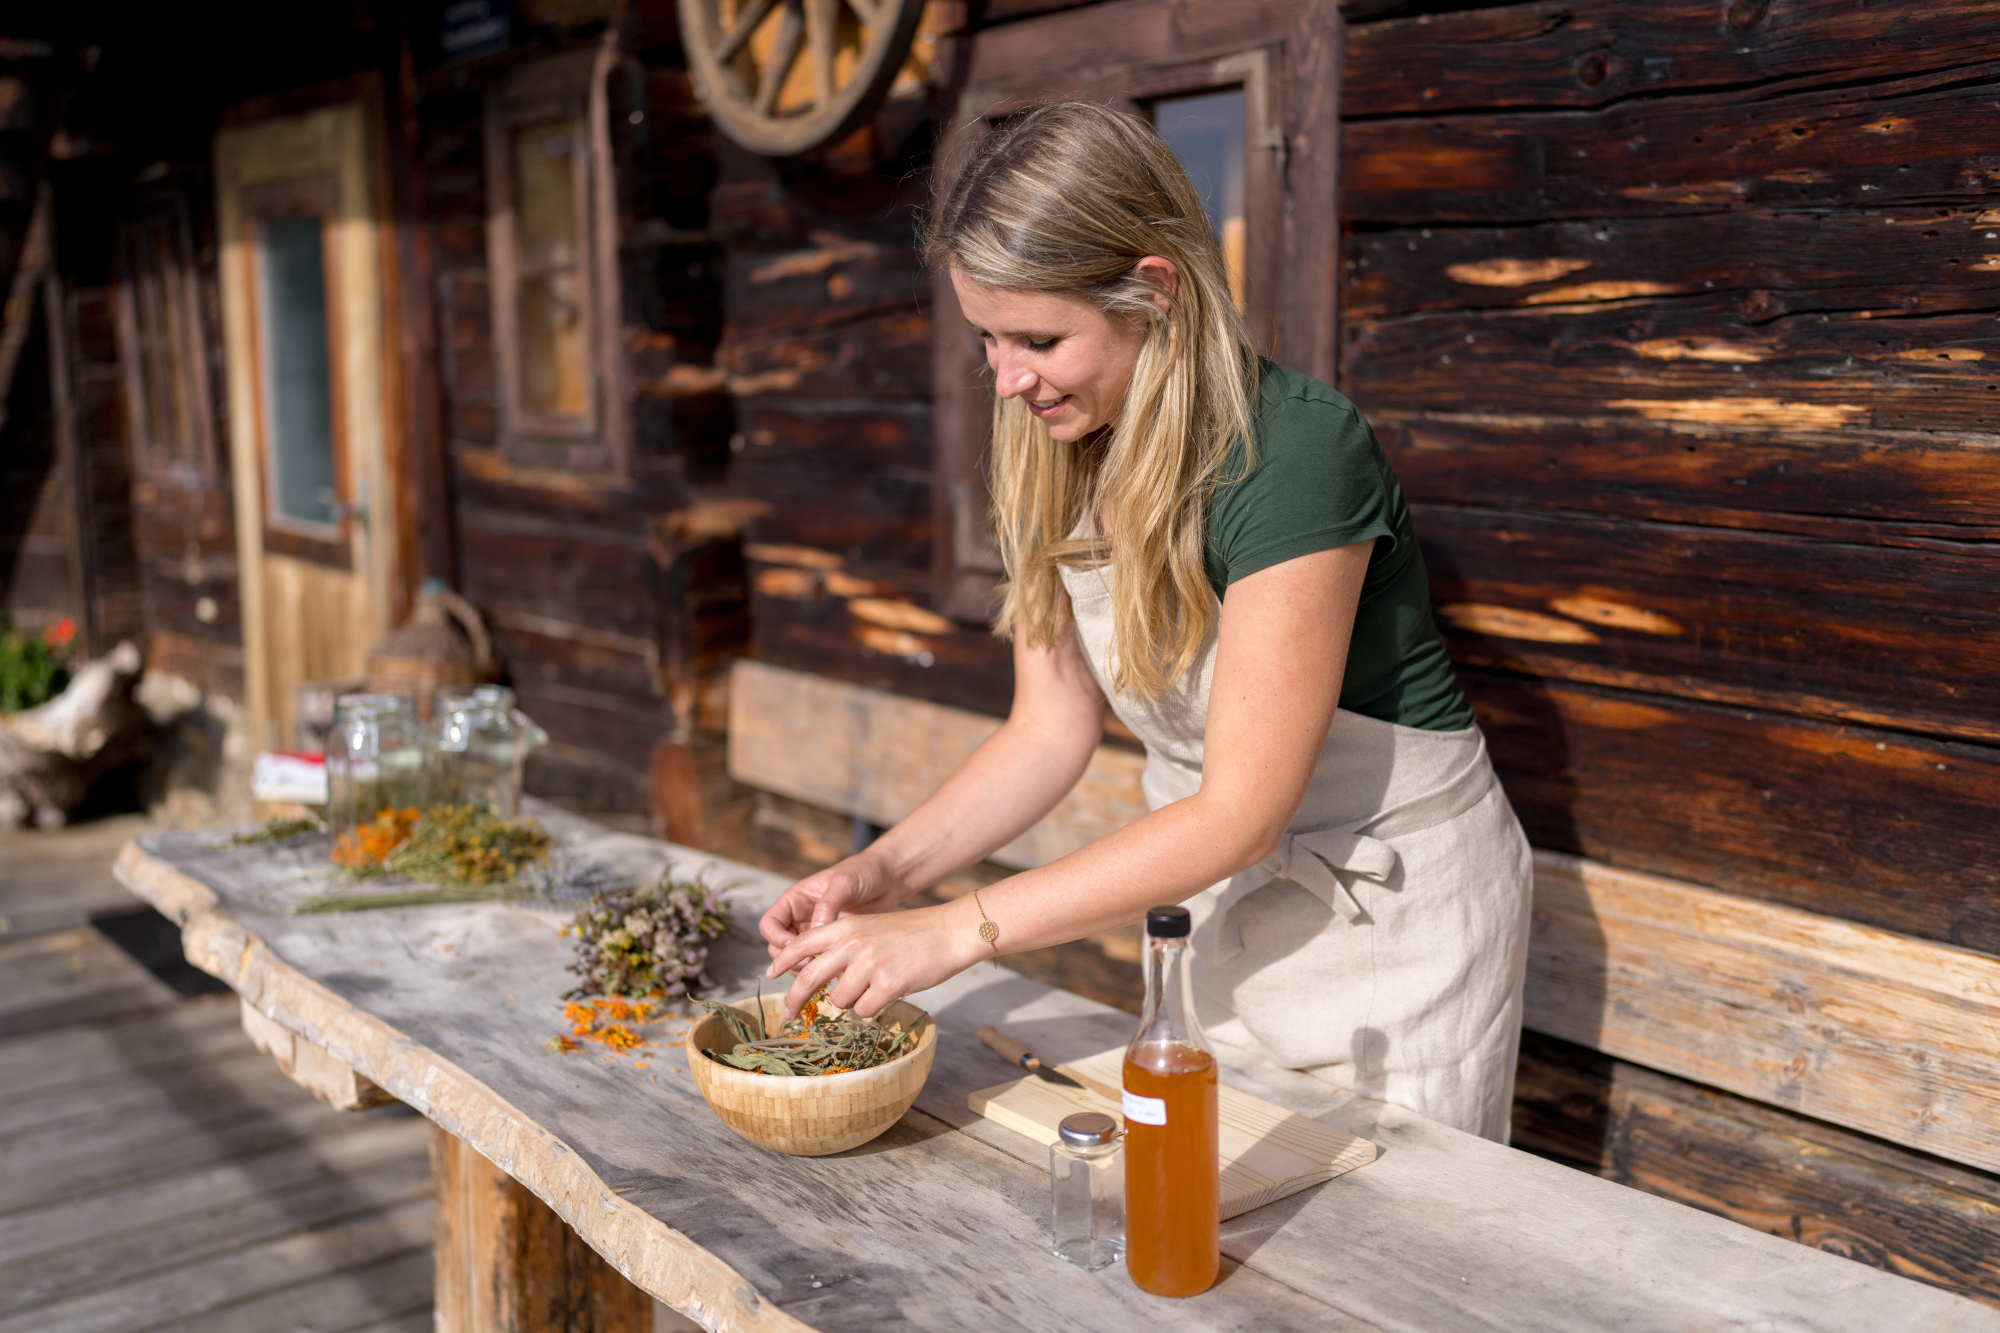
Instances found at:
x=1004 y=1046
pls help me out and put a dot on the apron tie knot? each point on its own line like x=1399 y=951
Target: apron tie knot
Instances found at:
x=1324 y=862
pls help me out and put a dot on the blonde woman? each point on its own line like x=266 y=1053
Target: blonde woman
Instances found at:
x=1215 y=549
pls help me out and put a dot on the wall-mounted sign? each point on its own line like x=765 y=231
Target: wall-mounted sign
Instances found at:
x=475 y=28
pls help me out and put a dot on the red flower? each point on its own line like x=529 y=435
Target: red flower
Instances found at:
x=59 y=633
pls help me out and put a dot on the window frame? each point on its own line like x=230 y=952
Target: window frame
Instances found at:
x=312 y=196
x=146 y=337
x=573 y=86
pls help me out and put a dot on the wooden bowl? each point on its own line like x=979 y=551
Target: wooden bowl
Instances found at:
x=817 y=1114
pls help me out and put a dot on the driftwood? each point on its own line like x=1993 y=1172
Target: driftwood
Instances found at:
x=51 y=754
x=446 y=1008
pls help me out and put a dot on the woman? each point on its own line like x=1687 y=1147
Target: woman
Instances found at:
x=1214 y=548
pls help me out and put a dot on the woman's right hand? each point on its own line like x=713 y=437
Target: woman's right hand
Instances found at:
x=861 y=884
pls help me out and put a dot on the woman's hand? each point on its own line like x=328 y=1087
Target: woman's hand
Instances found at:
x=860 y=884
x=878 y=958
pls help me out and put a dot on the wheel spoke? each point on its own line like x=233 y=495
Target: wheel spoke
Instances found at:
x=739 y=32
x=821 y=18
x=771 y=79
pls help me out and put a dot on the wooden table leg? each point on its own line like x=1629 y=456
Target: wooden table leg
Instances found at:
x=507 y=1264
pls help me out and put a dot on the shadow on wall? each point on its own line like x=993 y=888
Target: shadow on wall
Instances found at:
x=1562 y=1095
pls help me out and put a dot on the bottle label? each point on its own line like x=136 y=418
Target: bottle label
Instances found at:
x=1145 y=1110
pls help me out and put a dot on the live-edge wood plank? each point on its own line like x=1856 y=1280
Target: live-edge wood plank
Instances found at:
x=1431 y=1207
x=1463 y=1234
x=856 y=1215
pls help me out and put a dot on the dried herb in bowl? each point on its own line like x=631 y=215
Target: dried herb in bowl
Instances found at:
x=816 y=1040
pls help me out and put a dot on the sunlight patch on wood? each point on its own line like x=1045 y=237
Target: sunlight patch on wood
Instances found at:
x=898 y=615
x=1742 y=411
x=1618 y=615
x=1598 y=291
x=1507 y=622
x=1696 y=349
x=1513 y=272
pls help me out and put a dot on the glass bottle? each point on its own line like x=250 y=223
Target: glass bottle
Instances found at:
x=375 y=775
x=1087 y=1190
x=1173 y=1227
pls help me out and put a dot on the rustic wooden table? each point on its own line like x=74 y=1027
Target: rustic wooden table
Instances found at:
x=942 y=1222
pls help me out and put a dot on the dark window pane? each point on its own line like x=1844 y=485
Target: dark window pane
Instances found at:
x=1206 y=134
x=298 y=390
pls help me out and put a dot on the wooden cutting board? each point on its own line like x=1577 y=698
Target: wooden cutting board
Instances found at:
x=1267 y=1152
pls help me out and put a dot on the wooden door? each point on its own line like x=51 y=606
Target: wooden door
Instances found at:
x=314 y=449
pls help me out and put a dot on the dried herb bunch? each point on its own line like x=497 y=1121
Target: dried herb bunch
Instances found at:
x=464 y=853
x=651 y=941
x=816 y=1040
x=458 y=844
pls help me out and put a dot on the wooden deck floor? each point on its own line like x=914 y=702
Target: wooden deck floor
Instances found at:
x=156 y=1170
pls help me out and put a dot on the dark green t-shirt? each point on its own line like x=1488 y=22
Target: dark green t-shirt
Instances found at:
x=1319 y=480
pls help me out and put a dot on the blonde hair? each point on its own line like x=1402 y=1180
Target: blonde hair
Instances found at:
x=1067 y=199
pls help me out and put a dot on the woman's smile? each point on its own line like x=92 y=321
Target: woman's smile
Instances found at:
x=1067 y=361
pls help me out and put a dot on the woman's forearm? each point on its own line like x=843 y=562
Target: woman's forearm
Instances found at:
x=1015 y=777
x=1166 y=857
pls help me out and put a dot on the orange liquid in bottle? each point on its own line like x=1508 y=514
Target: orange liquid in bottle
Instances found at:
x=1173 y=1228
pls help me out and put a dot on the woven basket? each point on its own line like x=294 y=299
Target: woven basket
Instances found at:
x=817 y=1115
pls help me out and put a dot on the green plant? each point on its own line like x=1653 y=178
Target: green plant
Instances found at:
x=35 y=668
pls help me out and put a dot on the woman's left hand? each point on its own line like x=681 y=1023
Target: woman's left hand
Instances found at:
x=877 y=959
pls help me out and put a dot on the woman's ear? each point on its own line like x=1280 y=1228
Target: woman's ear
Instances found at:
x=1159 y=271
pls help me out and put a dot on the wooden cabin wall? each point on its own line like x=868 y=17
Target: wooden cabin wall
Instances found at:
x=575 y=571
x=828 y=353
x=1676 y=320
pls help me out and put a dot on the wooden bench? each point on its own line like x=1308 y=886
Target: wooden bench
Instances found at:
x=1865 y=1028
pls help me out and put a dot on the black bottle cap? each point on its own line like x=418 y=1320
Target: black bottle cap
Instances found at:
x=1167 y=923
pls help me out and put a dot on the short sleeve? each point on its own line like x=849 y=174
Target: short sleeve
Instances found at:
x=1318 y=480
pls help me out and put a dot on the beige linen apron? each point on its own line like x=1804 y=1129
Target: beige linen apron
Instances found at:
x=1382 y=947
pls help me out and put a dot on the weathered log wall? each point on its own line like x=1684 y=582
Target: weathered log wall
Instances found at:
x=611 y=598
x=827 y=350
x=1677 y=322
x=1692 y=393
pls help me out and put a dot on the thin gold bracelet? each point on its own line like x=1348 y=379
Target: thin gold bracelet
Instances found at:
x=989 y=929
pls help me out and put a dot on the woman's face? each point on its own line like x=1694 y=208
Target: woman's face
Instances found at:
x=1065 y=359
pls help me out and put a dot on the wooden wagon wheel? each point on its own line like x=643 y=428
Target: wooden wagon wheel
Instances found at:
x=747 y=66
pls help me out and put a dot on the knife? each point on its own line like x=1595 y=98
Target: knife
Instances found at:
x=1014 y=1053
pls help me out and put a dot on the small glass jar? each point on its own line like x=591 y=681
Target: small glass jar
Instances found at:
x=375 y=775
x=1087 y=1190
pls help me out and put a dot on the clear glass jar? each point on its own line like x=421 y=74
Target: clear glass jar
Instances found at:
x=1087 y=1190
x=481 y=743
x=375 y=775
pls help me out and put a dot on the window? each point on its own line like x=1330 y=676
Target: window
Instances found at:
x=162 y=347
x=290 y=232
x=552 y=249
x=1206 y=132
